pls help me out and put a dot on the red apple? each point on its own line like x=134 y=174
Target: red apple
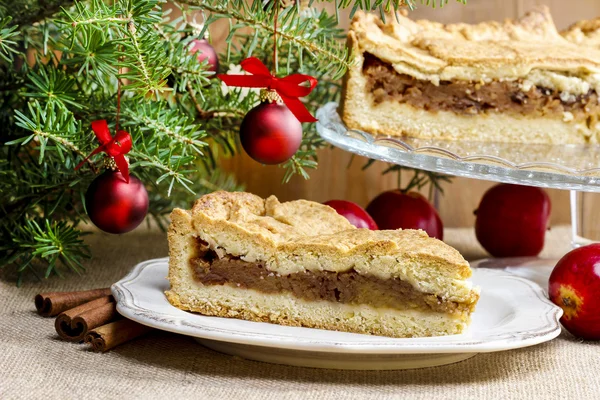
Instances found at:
x=512 y=220
x=354 y=213
x=394 y=210
x=574 y=286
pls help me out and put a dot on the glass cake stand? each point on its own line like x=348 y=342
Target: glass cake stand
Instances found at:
x=568 y=167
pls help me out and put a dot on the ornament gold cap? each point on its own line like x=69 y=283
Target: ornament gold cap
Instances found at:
x=198 y=27
x=269 y=96
x=109 y=163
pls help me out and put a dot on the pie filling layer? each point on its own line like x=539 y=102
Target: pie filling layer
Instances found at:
x=472 y=98
x=343 y=287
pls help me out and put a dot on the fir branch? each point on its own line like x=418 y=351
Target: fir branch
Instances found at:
x=141 y=62
x=26 y=13
x=169 y=165
x=8 y=46
x=164 y=123
x=53 y=87
x=299 y=32
x=143 y=58
x=51 y=124
x=419 y=180
x=54 y=243
x=384 y=6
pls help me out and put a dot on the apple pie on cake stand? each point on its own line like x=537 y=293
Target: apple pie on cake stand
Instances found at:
x=513 y=102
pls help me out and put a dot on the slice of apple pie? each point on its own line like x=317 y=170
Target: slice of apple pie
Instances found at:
x=300 y=263
x=517 y=81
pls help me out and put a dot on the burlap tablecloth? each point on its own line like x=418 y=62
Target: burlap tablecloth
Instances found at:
x=34 y=363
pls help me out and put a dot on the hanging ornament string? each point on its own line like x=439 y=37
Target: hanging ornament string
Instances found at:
x=275 y=38
x=120 y=59
x=116 y=147
x=118 y=100
x=289 y=88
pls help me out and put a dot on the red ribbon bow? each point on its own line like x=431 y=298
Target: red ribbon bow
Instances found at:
x=115 y=147
x=288 y=88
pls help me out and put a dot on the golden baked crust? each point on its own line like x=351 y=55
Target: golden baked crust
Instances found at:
x=585 y=33
x=529 y=52
x=489 y=50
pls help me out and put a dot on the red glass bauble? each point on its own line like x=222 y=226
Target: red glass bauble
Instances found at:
x=270 y=133
x=114 y=205
x=206 y=52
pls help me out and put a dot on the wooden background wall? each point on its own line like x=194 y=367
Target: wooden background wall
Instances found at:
x=335 y=180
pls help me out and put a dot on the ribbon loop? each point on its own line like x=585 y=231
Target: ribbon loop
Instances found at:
x=289 y=88
x=116 y=147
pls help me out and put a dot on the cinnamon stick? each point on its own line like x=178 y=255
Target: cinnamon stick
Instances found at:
x=74 y=324
x=110 y=335
x=53 y=303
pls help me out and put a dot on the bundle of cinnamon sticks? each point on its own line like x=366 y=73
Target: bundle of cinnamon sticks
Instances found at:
x=88 y=316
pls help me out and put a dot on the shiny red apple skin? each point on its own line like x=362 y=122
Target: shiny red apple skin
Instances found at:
x=574 y=286
x=394 y=210
x=354 y=213
x=512 y=220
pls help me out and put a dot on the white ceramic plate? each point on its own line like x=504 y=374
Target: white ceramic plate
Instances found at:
x=513 y=312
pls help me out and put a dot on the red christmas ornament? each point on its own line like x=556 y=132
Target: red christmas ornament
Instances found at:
x=270 y=133
x=114 y=205
x=205 y=52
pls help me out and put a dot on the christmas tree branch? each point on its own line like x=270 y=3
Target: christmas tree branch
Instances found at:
x=63 y=129
x=54 y=243
x=201 y=113
x=384 y=6
x=165 y=124
x=28 y=12
x=141 y=62
x=8 y=46
x=293 y=31
x=177 y=176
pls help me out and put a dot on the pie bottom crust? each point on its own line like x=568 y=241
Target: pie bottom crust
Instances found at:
x=285 y=309
x=396 y=119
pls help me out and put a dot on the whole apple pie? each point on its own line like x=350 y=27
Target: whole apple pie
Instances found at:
x=300 y=263
x=518 y=81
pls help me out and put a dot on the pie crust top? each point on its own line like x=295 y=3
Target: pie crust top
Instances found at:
x=586 y=33
x=482 y=52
